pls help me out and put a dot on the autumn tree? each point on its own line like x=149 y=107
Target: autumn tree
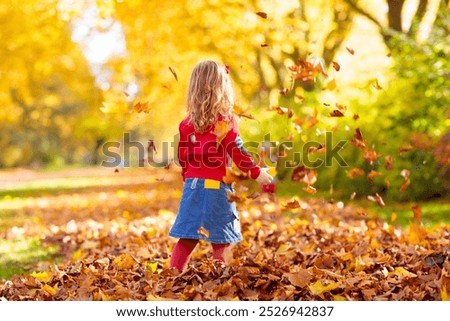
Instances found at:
x=46 y=85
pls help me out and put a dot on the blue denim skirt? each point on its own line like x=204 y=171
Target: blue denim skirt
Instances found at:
x=206 y=214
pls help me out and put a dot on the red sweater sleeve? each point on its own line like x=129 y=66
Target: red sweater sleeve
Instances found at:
x=182 y=150
x=234 y=147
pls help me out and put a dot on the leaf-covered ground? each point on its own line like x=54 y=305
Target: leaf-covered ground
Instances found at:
x=115 y=246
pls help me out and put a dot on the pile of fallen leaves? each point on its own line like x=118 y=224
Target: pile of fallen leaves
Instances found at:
x=292 y=250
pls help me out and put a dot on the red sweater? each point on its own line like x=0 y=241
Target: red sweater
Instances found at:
x=206 y=155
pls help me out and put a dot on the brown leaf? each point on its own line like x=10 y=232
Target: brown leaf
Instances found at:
x=262 y=14
x=417 y=213
x=283 y=91
x=141 y=107
x=202 y=231
x=300 y=278
x=264 y=45
x=350 y=50
x=336 y=113
x=372 y=175
x=405 y=149
x=405 y=185
x=241 y=112
x=292 y=204
x=336 y=66
x=233 y=197
x=388 y=162
x=309 y=189
x=358 y=139
x=371 y=155
x=376 y=85
x=221 y=129
x=377 y=198
x=355 y=172
x=305 y=175
x=284 y=110
x=173 y=73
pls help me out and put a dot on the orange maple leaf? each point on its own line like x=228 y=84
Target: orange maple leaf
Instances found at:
x=221 y=129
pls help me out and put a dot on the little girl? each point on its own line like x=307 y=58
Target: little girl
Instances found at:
x=209 y=136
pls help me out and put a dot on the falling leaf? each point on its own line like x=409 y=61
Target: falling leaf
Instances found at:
x=405 y=149
x=417 y=211
x=241 y=112
x=405 y=173
x=336 y=113
x=310 y=189
x=405 y=185
x=305 y=175
x=358 y=139
x=370 y=156
x=262 y=14
x=283 y=91
x=300 y=97
x=284 y=110
x=372 y=175
x=376 y=85
x=221 y=129
x=141 y=107
x=306 y=71
x=173 y=73
x=336 y=66
x=319 y=147
x=355 y=116
x=352 y=195
x=388 y=162
x=350 y=50
x=393 y=217
x=355 y=172
x=264 y=45
x=377 y=199
x=204 y=232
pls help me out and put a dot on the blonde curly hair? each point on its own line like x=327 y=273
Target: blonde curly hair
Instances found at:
x=210 y=94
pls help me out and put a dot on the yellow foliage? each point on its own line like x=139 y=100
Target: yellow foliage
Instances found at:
x=124 y=261
x=49 y=289
x=402 y=272
x=41 y=276
x=318 y=288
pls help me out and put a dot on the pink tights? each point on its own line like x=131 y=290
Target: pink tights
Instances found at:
x=181 y=252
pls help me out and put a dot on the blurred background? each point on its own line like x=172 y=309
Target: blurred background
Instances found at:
x=71 y=73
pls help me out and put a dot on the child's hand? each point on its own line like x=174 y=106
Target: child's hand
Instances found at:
x=264 y=178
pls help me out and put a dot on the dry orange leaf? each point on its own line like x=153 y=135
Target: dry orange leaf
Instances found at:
x=173 y=73
x=417 y=211
x=355 y=172
x=377 y=199
x=202 y=231
x=221 y=129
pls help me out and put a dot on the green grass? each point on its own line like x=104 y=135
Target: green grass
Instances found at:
x=433 y=212
x=21 y=256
